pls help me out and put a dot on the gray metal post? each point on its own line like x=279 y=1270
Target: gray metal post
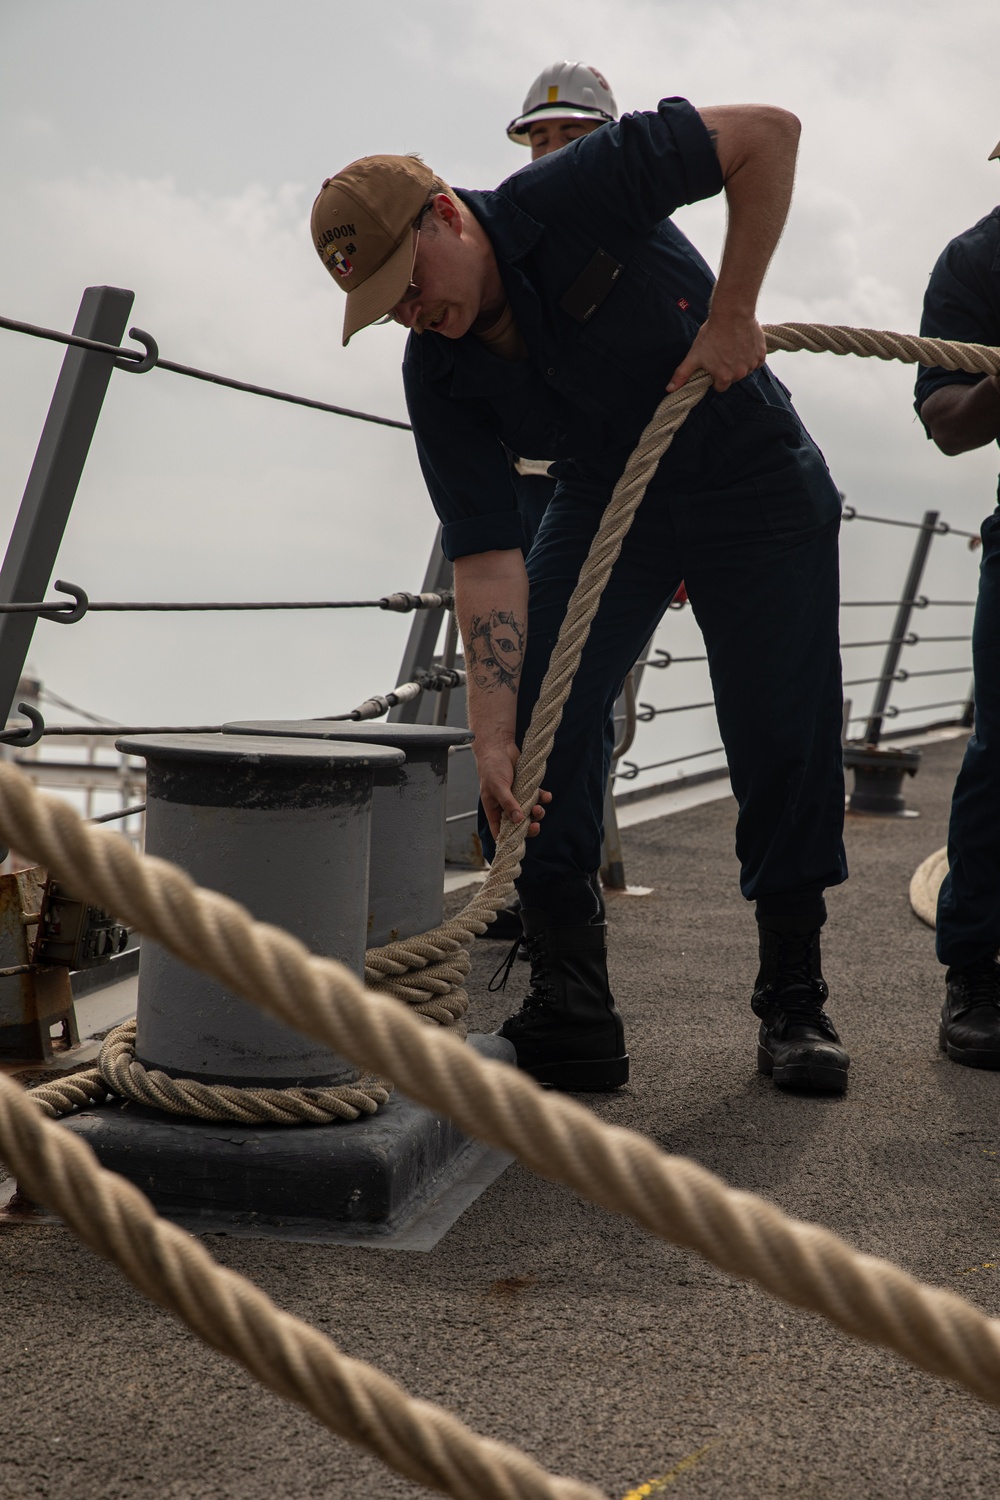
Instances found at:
x=612 y=853
x=52 y=484
x=440 y=715
x=283 y=828
x=406 y=871
x=424 y=632
x=901 y=625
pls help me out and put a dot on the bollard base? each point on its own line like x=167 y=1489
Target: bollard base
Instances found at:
x=400 y=1177
x=878 y=779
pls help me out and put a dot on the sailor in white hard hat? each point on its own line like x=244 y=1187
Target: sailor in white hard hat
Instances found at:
x=566 y=100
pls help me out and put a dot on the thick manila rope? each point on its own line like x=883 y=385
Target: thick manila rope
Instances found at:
x=926 y=885
x=288 y=1356
x=800 y=1264
x=427 y=972
x=399 y=968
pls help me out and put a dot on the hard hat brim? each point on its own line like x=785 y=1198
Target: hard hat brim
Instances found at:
x=517 y=130
x=379 y=293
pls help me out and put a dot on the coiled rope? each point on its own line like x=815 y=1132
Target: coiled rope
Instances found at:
x=428 y=972
x=925 y=887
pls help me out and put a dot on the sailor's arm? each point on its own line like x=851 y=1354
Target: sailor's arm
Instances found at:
x=756 y=145
x=962 y=417
x=491 y=601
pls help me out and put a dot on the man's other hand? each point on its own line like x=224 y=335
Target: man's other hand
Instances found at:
x=728 y=348
x=496 y=765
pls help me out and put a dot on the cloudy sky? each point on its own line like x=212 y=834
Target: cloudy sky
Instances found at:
x=175 y=149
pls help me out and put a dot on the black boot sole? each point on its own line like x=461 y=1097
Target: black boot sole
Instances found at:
x=810 y=1078
x=969 y=1057
x=586 y=1076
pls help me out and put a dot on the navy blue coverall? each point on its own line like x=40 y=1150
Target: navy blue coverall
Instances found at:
x=742 y=506
x=963 y=302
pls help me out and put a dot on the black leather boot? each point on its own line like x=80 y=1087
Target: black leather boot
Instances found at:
x=568 y=1033
x=798 y=1045
x=970 y=1016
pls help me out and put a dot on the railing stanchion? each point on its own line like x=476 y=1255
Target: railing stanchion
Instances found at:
x=901 y=625
x=55 y=474
x=424 y=632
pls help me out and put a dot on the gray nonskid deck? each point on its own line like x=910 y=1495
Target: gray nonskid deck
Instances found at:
x=547 y=1322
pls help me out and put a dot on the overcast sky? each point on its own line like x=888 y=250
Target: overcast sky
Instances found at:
x=175 y=149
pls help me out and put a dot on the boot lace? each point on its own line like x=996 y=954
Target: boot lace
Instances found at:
x=502 y=973
x=540 y=990
x=796 y=989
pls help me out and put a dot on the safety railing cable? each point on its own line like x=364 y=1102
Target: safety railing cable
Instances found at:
x=893 y=711
x=941 y=528
x=440 y=681
x=131 y=359
x=121 y=812
x=69 y=612
x=903 y=675
x=910 y=639
x=631 y=770
x=646 y=712
x=920 y=602
x=661 y=659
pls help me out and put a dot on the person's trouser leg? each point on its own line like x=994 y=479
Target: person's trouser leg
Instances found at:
x=968 y=915
x=568 y=1033
x=559 y=864
x=763 y=577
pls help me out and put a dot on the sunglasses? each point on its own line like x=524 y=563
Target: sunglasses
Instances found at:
x=412 y=290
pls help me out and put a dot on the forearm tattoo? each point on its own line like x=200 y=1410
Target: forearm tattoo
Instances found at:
x=495 y=650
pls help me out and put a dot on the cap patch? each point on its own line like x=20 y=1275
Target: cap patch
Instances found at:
x=332 y=235
x=338 y=260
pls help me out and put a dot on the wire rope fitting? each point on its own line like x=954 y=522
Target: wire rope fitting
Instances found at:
x=22 y=738
x=128 y=360
x=68 y=614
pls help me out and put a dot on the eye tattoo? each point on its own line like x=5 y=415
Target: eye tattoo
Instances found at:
x=495 y=650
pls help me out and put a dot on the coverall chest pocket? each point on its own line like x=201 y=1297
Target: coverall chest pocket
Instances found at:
x=607 y=357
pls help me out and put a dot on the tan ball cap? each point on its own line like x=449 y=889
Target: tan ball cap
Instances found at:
x=995 y=153
x=361 y=224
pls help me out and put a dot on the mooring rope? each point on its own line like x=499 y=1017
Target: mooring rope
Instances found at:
x=230 y=1314
x=409 y=956
x=926 y=885
x=428 y=972
x=677 y=1200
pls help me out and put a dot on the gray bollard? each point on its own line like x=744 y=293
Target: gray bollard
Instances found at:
x=406 y=886
x=281 y=825
x=283 y=828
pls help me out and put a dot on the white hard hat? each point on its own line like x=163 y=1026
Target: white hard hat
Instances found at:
x=565 y=91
